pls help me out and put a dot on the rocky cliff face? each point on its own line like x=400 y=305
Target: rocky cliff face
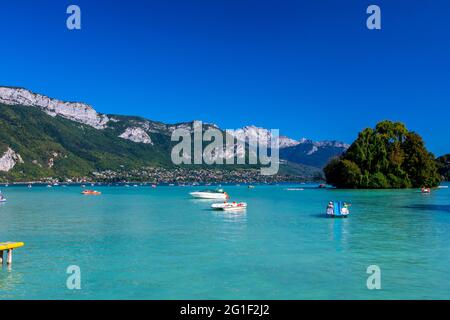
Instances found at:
x=253 y=133
x=136 y=134
x=74 y=111
x=9 y=159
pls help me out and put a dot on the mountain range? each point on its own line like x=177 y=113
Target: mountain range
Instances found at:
x=303 y=151
x=45 y=137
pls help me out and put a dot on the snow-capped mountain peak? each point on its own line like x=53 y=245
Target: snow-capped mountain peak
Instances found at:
x=252 y=133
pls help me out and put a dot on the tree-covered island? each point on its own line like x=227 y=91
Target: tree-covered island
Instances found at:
x=388 y=156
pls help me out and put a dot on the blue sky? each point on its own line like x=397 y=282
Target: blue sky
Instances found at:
x=310 y=68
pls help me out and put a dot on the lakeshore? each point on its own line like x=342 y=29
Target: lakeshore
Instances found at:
x=282 y=247
x=170 y=176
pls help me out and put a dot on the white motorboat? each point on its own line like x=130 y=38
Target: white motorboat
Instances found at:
x=210 y=194
x=229 y=206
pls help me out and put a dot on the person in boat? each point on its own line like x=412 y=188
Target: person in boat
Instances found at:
x=330 y=208
x=344 y=209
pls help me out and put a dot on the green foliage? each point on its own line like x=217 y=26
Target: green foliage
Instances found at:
x=443 y=164
x=77 y=150
x=388 y=156
x=343 y=170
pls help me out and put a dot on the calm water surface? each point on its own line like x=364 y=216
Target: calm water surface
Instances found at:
x=144 y=243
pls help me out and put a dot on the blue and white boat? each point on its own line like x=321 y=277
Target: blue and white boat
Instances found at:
x=337 y=209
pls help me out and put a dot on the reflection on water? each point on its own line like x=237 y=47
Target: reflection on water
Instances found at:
x=339 y=232
x=9 y=279
x=230 y=216
x=230 y=226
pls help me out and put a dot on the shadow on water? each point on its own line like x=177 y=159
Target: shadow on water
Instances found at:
x=325 y=216
x=320 y=215
x=428 y=207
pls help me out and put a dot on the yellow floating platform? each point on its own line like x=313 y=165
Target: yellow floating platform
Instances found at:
x=10 y=245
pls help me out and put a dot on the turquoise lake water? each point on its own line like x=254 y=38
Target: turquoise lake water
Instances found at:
x=145 y=243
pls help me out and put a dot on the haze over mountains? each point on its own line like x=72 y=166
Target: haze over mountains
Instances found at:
x=41 y=136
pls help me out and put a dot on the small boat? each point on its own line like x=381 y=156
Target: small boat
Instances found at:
x=229 y=206
x=322 y=186
x=91 y=192
x=153 y=185
x=337 y=209
x=443 y=187
x=210 y=194
x=2 y=198
x=251 y=187
x=425 y=190
x=295 y=189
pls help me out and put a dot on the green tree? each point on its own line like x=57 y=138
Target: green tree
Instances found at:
x=388 y=156
x=343 y=173
x=443 y=164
